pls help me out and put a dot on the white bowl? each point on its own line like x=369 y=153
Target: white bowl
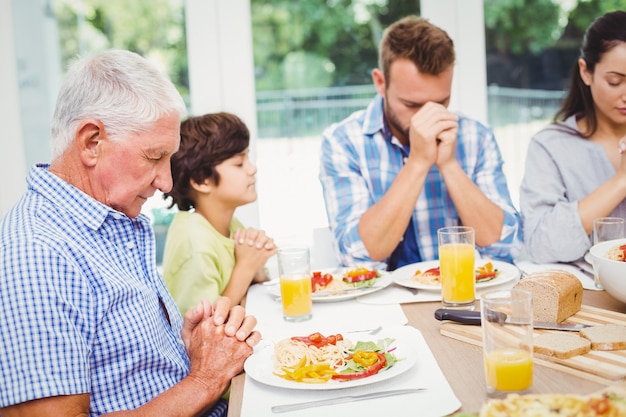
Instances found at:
x=612 y=274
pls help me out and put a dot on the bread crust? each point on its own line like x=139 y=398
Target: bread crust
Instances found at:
x=557 y=294
x=561 y=345
x=606 y=337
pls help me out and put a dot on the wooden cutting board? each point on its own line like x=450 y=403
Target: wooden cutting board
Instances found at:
x=606 y=367
x=618 y=390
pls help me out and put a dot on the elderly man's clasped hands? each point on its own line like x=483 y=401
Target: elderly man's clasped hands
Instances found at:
x=218 y=339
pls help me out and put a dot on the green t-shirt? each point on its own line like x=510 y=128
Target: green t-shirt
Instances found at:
x=198 y=261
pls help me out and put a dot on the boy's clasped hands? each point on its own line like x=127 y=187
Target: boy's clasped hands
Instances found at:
x=253 y=247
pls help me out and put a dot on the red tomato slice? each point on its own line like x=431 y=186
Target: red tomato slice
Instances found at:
x=433 y=271
x=360 y=277
x=319 y=281
x=318 y=340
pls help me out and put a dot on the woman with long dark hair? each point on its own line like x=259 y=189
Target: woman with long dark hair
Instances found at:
x=576 y=167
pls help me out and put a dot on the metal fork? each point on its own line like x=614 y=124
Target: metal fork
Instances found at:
x=369 y=331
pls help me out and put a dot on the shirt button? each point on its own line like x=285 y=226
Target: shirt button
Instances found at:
x=117 y=216
x=130 y=245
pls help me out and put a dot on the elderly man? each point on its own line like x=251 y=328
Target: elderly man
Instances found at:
x=88 y=326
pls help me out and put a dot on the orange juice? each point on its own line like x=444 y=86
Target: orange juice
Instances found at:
x=456 y=262
x=295 y=292
x=509 y=369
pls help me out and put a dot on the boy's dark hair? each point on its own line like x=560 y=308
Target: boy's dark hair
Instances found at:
x=205 y=141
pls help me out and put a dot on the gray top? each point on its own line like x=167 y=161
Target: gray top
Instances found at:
x=562 y=167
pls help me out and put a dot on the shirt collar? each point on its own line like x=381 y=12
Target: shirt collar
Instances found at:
x=374 y=117
x=375 y=122
x=77 y=203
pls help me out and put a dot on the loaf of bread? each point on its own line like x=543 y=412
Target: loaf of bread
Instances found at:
x=607 y=337
x=561 y=345
x=557 y=294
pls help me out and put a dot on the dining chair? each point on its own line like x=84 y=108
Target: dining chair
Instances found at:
x=323 y=253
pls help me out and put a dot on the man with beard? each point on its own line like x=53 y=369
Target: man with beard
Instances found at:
x=394 y=173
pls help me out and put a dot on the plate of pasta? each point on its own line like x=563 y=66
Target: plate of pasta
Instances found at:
x=337 y=363
x=425 y=275
x=330 y=285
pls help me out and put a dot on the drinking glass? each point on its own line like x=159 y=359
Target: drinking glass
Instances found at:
x=294 y=269
x=507 y=326
x=456 y=265
x=606 y=228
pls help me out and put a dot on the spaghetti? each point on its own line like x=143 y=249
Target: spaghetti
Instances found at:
x=334 y=285
x=288 y=353
x=432 y=276
x=429 y=277
x=355 y=278
x=617 y=253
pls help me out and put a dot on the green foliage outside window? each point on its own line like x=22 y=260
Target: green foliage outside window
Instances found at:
x=312 y=43
x=153 y=28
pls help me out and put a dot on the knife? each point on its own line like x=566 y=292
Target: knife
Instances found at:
x=338 y=400
x=338 y=292
x=473 y=317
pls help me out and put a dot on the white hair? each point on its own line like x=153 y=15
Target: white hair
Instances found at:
x=119 y=88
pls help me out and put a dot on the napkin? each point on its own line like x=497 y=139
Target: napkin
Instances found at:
x=328 y=317
x=585 y=279
x=438 y=399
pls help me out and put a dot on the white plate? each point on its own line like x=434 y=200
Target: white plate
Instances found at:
x=404 y=275
x=588 y=258
x=381 y=282
x=260 y=367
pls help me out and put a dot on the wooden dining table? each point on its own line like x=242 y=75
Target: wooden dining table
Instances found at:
x=462 y=363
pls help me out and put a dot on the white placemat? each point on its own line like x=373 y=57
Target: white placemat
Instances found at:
x=395 y=293
x=437 y=400
x=328 y=317
x=586 y=280
x=398 y=294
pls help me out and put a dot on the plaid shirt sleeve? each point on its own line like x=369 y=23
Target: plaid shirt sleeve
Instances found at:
x=47 y=344
x=486 y=172
x=346 y=193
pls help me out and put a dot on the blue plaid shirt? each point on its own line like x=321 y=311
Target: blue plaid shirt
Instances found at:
x=79 y=302
x=359 y=161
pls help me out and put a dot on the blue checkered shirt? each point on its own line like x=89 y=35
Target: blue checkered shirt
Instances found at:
x=359 y=161
x=79 y=302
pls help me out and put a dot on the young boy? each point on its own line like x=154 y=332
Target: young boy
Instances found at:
x=208 y=252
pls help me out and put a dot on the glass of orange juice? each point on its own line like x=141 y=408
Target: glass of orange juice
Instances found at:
x=456 y=265
x=507 y=326
x=294 y=269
